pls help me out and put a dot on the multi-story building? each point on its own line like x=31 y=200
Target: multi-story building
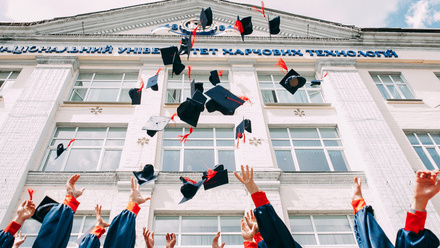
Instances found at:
x=375 y=115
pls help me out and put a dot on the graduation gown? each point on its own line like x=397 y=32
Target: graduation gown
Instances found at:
x=121 y=233
x=257 y=243
x=91 y=240
x=7 y=236
x=57 y=225
x=414 y=235
x=272 y=228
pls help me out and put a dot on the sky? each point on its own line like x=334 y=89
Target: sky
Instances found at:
x=361 y=13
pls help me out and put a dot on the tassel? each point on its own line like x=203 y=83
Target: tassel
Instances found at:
x=193 y=38
x=172 y=118
x=210 y=175
x=282 y=64
x=238 y=26
x=158 y=71
x=70 y=143
x=239 y=135
x=234 y=100
x=183 y=138
x=220 y=73
x=142 y=86
x=326 y=74
x=245 y=98
x=262 y=9
x=189 y=180
x=31 y=192
x=189 y=72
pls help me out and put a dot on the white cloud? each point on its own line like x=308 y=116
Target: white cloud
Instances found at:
x=422 y=13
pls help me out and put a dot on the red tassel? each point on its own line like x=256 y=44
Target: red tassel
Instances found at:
x=172 y=118
x=238 y=26
x=244 y=137
x=183 y=138
x=282 y=64
x=262 y=9
x=326 y=74
x=193 y=38
x=234 y=100
x=142 y=86
x=220 y=73
x=239 y=135
x=245 y=98
x=189 y=180
x=158 y=71
x=70 y=142
x=189 y=72
x=31 y=192
x=211 y=174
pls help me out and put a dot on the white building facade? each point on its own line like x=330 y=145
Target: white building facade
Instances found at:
x=375 y=115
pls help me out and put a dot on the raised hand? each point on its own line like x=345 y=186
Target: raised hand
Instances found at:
x=247 y=233
x=215 y=241
x=99 y=219
x=25 y=211
x=426 y=186
x=148 y=237
x=135 y=193
x=251 y=220
x=170 y=240
x=247 y=178
x=18 y=240
x=357 y=191
x=70 y=187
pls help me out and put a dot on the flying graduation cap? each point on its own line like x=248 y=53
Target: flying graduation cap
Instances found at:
x=292 y=81
x=135 y=95
x=189 y=111
x=189 y=188
x=205 y=17
x=274 y=25
x=43 y=208
x=214 y=78
x=216 y=177
x=168 y=54
x=186 y=45
x=196 y=86
x=245 y=125
x=178 y=67
x=244 y=26
x=61 y=149
x=146 y=174
x=222 y=100
x=315 y=82
x=155 y=124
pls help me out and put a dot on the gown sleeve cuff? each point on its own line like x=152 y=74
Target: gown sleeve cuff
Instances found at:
x=12 y=228
x=260 y=199
x=71 y=202
x=133 y=207
x=358 y=205
x=258 y=237
x=250 y=244
x=98 y=231
x=415 y=222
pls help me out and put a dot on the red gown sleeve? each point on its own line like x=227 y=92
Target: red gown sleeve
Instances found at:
x=133 y=207
x=358 y=205
x=71 y=202
x=98 y=231
x=260 y=199
x=415 y=222
x=258 y=237
x=250 y=244
x=12 y=228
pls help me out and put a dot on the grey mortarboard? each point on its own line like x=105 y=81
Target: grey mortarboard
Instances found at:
x=155 y=124
x=152 y=83
x=292 y=81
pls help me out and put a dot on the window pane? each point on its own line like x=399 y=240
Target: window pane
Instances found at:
x=424 y=158
x=171 y=160
x=91 y=132
x=85 y=76
x=328 y=133
x=395 y=94
x=278 y=133
x=108 y=76
x=230 y=223
x=29 y=241
x=91 y=142
x=173 y=95
x=192 y=142
x=172 y=132
x=412 y=139
x=225 y=143
x=304 y=133
x=300 y=96
x=264 y=78
x=111 y=160
x=224 y=133
x=232 y=239
x=172 y=143
x=166 y=224
x=386 y=79
x=436 y=138
x=284 y=160
x=316 y=97
x=434 y=156
x=285 y=96
x=83 y=159
x=332 y=143
x=405 y=91
x=280 y=142
x=131 y=76
x=117 y=132
x=65 y=132
x=306 y=143
x=106 y=84
x=312 y=160
x=202 y=133
x=338 y=160
x=424 y=138
x=195 y=160
x=31 y=226
x=78 y=95
x=124 y=96
x=332 y=223
x=89 y=223
x=383 y=91
x=335 y=239
x=115 y=142
x=301 y=224
x=197 y=239
x=199 y=224
x=103 y=95
x=269 y=96
x=227 y=158
x=52 y=164
x=77 y=222
x=305 y=239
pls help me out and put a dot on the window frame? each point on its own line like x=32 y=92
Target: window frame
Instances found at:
x=424 y=147
x=8 y=78
x=395 y=85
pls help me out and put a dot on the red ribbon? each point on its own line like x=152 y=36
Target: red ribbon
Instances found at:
x=31 y=192
x=234 y=100
x=172 y=118
x=262 y=9
x=189 y=180
x=240 y=135
x=211 y=174
x=183 y=138
x=158 y=71
x=326 y=74
x=142 y=86
x=189 y=72
x=245 y=98
x=282 y=64
x=238 y=26
x=220 y=73
x=193 y=38
x=70 y=142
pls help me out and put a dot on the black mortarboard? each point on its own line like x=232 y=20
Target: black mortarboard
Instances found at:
x=178 y=67
x=185 y=46
x=216 y=177
x=206 y=17
x=147 y=174
x=155 y=124
x=135 y=95
x=152 y=83
x=292 y=81
x=60 y=149
x=189 y=188
x=168 y=54
x=43 y=208
x=245 y=125
x=189 y=111
x=246 y=23
x=274 y=25
x=224 y=98
x=200 y=100
x=315 y=82
x=212 y=106
x=214 y=78
x=196 y=86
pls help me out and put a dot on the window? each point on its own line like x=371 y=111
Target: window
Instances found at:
x=179 y=87
x=427 y=146
x=81 y=225
x=204 y=148
x=308 y=149
x=95 y=149
x=273 y=92
x=198 y=230
x=392 y=86
x=323 y=230
x=103 y=87
x=7 y=77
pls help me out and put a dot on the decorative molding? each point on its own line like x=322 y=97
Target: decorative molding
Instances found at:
x=347 y=64
x=96 y=110
x=58 y=60
x=255 y=142
x=143 y=141
x=300 y=112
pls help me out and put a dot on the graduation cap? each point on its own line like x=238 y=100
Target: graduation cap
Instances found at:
x=61 y=149
x=216 y=177
x=200 y=100
x=315 y=82
x=189 y=111
x=292 y=81
x=196 y=86
x=245 y=125
x=43 y=208
x=186 y=45
x=244 y=26
x=205 y=17
x=214 y=77
x=155 y=124
x=168 y=54
x=147 y=174
x=222 y=100
x=189 y=188
x=152 y=83
x=135 y=95
x=178 y=67
x=274 y=25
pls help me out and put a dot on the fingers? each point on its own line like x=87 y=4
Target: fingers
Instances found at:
x=173 y=236
x=238 y=177
x=215 y=240
x=252 y=174
x=168 y=237
x=223 y=245
x=132 y=183
x=252 y=214
x=23 y=203
x=148 y=198
x=73 y=179
x=144 y=232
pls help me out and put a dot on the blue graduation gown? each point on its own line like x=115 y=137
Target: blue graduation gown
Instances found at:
x=90 y=241
x=6 y=239
x=121 y=233
x=424 y=239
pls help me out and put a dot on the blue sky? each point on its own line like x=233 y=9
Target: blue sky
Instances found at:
x=361 y=13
